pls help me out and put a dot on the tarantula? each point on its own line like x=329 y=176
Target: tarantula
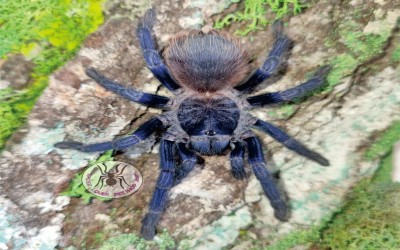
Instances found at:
x=208 y=72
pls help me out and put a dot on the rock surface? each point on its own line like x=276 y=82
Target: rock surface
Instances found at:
x=15 y=72
x=209 y=208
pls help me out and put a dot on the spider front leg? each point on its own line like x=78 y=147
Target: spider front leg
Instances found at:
x=297 y=92
x=160 y=196
x=257 y=162
x=237 y=161
x=273 y=61
x=140 y=134
x=189 y=160
x=130 y=94
x=151 y=54
x=289 y=142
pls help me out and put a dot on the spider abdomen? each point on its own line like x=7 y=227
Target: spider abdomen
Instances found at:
x=206 y=62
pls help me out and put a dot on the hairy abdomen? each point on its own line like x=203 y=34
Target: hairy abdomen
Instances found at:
x=206 y=62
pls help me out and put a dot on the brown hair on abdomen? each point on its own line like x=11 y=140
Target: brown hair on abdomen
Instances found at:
x=206 y=62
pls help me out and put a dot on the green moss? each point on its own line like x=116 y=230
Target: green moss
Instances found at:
x=396 y=55
x=363 y=46
x=303 y=237
x=360 y=47
x=49 y=33
x=282 y=112
x=342 y=66
x=255 y=11
x=76 y=187
x=370 y=219
x=384 y=143
x=99 y=238
x=127 y=241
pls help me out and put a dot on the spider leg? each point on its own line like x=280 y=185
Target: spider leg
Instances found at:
x=140 y=134
x=129 y=93
x=257 y=163
x=151 y=54
x=189 y=160
x=101 y=178
x=273 y=61
x=122 y=179
x=101 y=170
x=117 y=168
x=297 y=92
x=123 y=169
x=164 y=183
x=290 y=142
x=237 y=157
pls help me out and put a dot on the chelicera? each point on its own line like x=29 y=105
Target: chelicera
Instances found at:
x=209 y=74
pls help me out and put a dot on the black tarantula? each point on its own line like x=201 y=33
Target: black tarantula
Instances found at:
x=208 y=73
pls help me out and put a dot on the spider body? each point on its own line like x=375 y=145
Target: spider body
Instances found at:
x=209 y=123
x=208 y=73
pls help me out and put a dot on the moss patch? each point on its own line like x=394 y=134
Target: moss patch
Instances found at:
x=48 y=33
x=342 y=65
x=396 y=55
x=163 y=241
x=384 y=143
x=360 y=47
x=370 y=219
x=254 y=13
x=304 y=238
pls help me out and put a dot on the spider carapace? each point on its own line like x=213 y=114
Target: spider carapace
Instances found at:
x=209 y=74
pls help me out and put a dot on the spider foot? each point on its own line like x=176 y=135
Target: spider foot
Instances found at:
x=278 y=29
x=148 y=232
x=149 y=223
x=319 y=159
x=281 y=211
x=94 y=74
x=323 y=71
x=68 y=145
